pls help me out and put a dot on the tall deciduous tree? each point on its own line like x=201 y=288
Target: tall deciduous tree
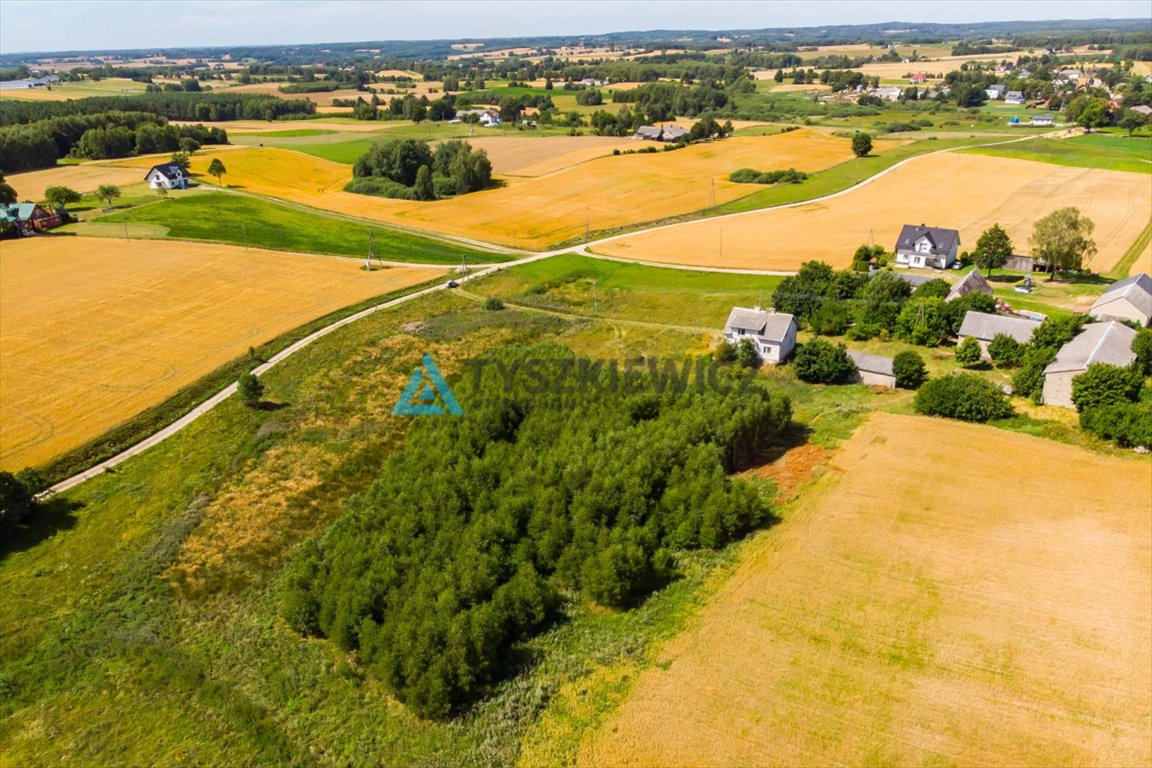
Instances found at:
x=108 y=193
x=993 y=249
x=7 y=193
x=424 y=190
x=861 y=144
x=58 y=198
x=217 y=169
x=1063 y=239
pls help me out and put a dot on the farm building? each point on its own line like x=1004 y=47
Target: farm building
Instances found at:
x=973 y=282
x=28 y=218
x=31 y=82
x=485 y=117
x=773 y=333
x=1014 y=97
x=167 y=176
x=984 y=327
x=995 y=91
x=1127 y=299
x=1142 y=109
x=1042 y=120
x=1109 y=342
x=926 y=246
x=659 y=133
x=1022 y=264
x=874 y=370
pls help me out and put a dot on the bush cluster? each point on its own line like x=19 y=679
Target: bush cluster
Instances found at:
x=464 y=544
x=1128 y=424
x=822 y=362
x=408 y=170
x=964 y=396
x=752 y=176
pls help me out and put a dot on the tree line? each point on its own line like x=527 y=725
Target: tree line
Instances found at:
x=483 y=524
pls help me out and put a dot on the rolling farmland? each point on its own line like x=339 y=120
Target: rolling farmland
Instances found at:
x=93 y=332
x=535 y=213
x=966 y=192
x=943 y=628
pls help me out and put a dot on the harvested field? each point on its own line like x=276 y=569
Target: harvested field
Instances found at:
x=93 y=331
x=264 y=126
x=998 y=615
x=320 y=98
x=515 y=156
x=537 y=212
x=966 y=192
x=937 y=66
x=113 y=86
x=82 y=178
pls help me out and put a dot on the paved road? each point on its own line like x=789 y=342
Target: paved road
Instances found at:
x=487 y=269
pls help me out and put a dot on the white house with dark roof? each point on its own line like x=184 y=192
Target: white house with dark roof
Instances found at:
x=1127 y=299
x=973 y=282
x=874 y=370
x=167 y=176
x=773 y=333
x=984 y=327
x=995 y=91
x=1014 y=97
x=921 y=246
x=1109 y=342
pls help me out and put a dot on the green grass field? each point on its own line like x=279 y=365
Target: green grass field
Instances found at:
x=223 y=218
x=1109 y=152
x=291 y=134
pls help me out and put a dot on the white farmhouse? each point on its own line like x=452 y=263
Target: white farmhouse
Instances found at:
x=773 y=333
x=167 y=176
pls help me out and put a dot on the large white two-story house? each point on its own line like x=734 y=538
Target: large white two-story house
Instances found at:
x=922 y=246
x=773 y=333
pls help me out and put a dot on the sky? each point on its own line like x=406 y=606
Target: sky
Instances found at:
x=56 y=25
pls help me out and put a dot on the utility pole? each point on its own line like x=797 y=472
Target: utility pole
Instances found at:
x=587 y=224
x=125 y=230
x=244 y=224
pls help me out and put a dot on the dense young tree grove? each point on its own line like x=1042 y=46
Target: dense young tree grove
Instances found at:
x=476 y=530
x=392 y=168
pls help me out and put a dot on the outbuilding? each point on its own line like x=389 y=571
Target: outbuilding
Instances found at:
x=874 y=370
x=1127 y=299
x=1109 y=342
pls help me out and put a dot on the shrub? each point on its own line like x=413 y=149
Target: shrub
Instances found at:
x=1029 y=380
x=822 y=362
x=909 y=370
x=1005 y=351
x=380 y=187
x=863 y=332
x=493 y=304
x=861 y=144
x=746 y=354
x=964 y=396
x=1104 y=384
x=724 y=352
x=933 y=289
x=1129 y=424
x=250 y=388
x=831 y=319
x=968 y=352
x=1142 y=346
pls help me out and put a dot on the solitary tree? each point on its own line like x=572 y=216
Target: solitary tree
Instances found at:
x=7 y=193
x=250 y=389
x=108 y=193
x=1063 y=239
x=993 y=249
x=217 y=169
x=861 y=144
x=59 y=198
x=1131 y=121
x=423 y=187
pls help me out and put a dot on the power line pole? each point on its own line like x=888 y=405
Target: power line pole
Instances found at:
x=587 y=224
x=244 y=224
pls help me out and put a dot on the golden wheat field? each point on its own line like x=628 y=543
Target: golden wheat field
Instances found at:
x=93 y=331
x=517 y=156
x=85 y=177
x=537 y=212
x=964 y=192
x=946 y=594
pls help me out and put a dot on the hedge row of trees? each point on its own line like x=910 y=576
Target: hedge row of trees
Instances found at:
x=203 y=106
x=97 y=136
x=408 y=169
x=477 y=529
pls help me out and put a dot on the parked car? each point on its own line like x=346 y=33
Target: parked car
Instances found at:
x=453 y=284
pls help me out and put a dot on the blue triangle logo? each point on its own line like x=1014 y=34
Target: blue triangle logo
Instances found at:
x=419 y=397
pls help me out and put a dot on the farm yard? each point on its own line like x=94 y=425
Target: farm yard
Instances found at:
x=965 y=192
x=538 y=212
x=93 y=332
x=946 y=628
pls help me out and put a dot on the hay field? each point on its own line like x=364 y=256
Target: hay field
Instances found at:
x=965 y=192
x=537 y=212
x=265 y=126
x=937 y=66
x=93 y=331
x=320 y=98
x=936 y=599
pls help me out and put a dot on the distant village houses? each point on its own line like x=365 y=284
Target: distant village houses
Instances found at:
x=660 y=133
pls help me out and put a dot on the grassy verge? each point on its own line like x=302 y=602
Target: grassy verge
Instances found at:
x=1124 y=266
x=1100 y=151
x=261 y=223
x=819 y=184
x=155 y=418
